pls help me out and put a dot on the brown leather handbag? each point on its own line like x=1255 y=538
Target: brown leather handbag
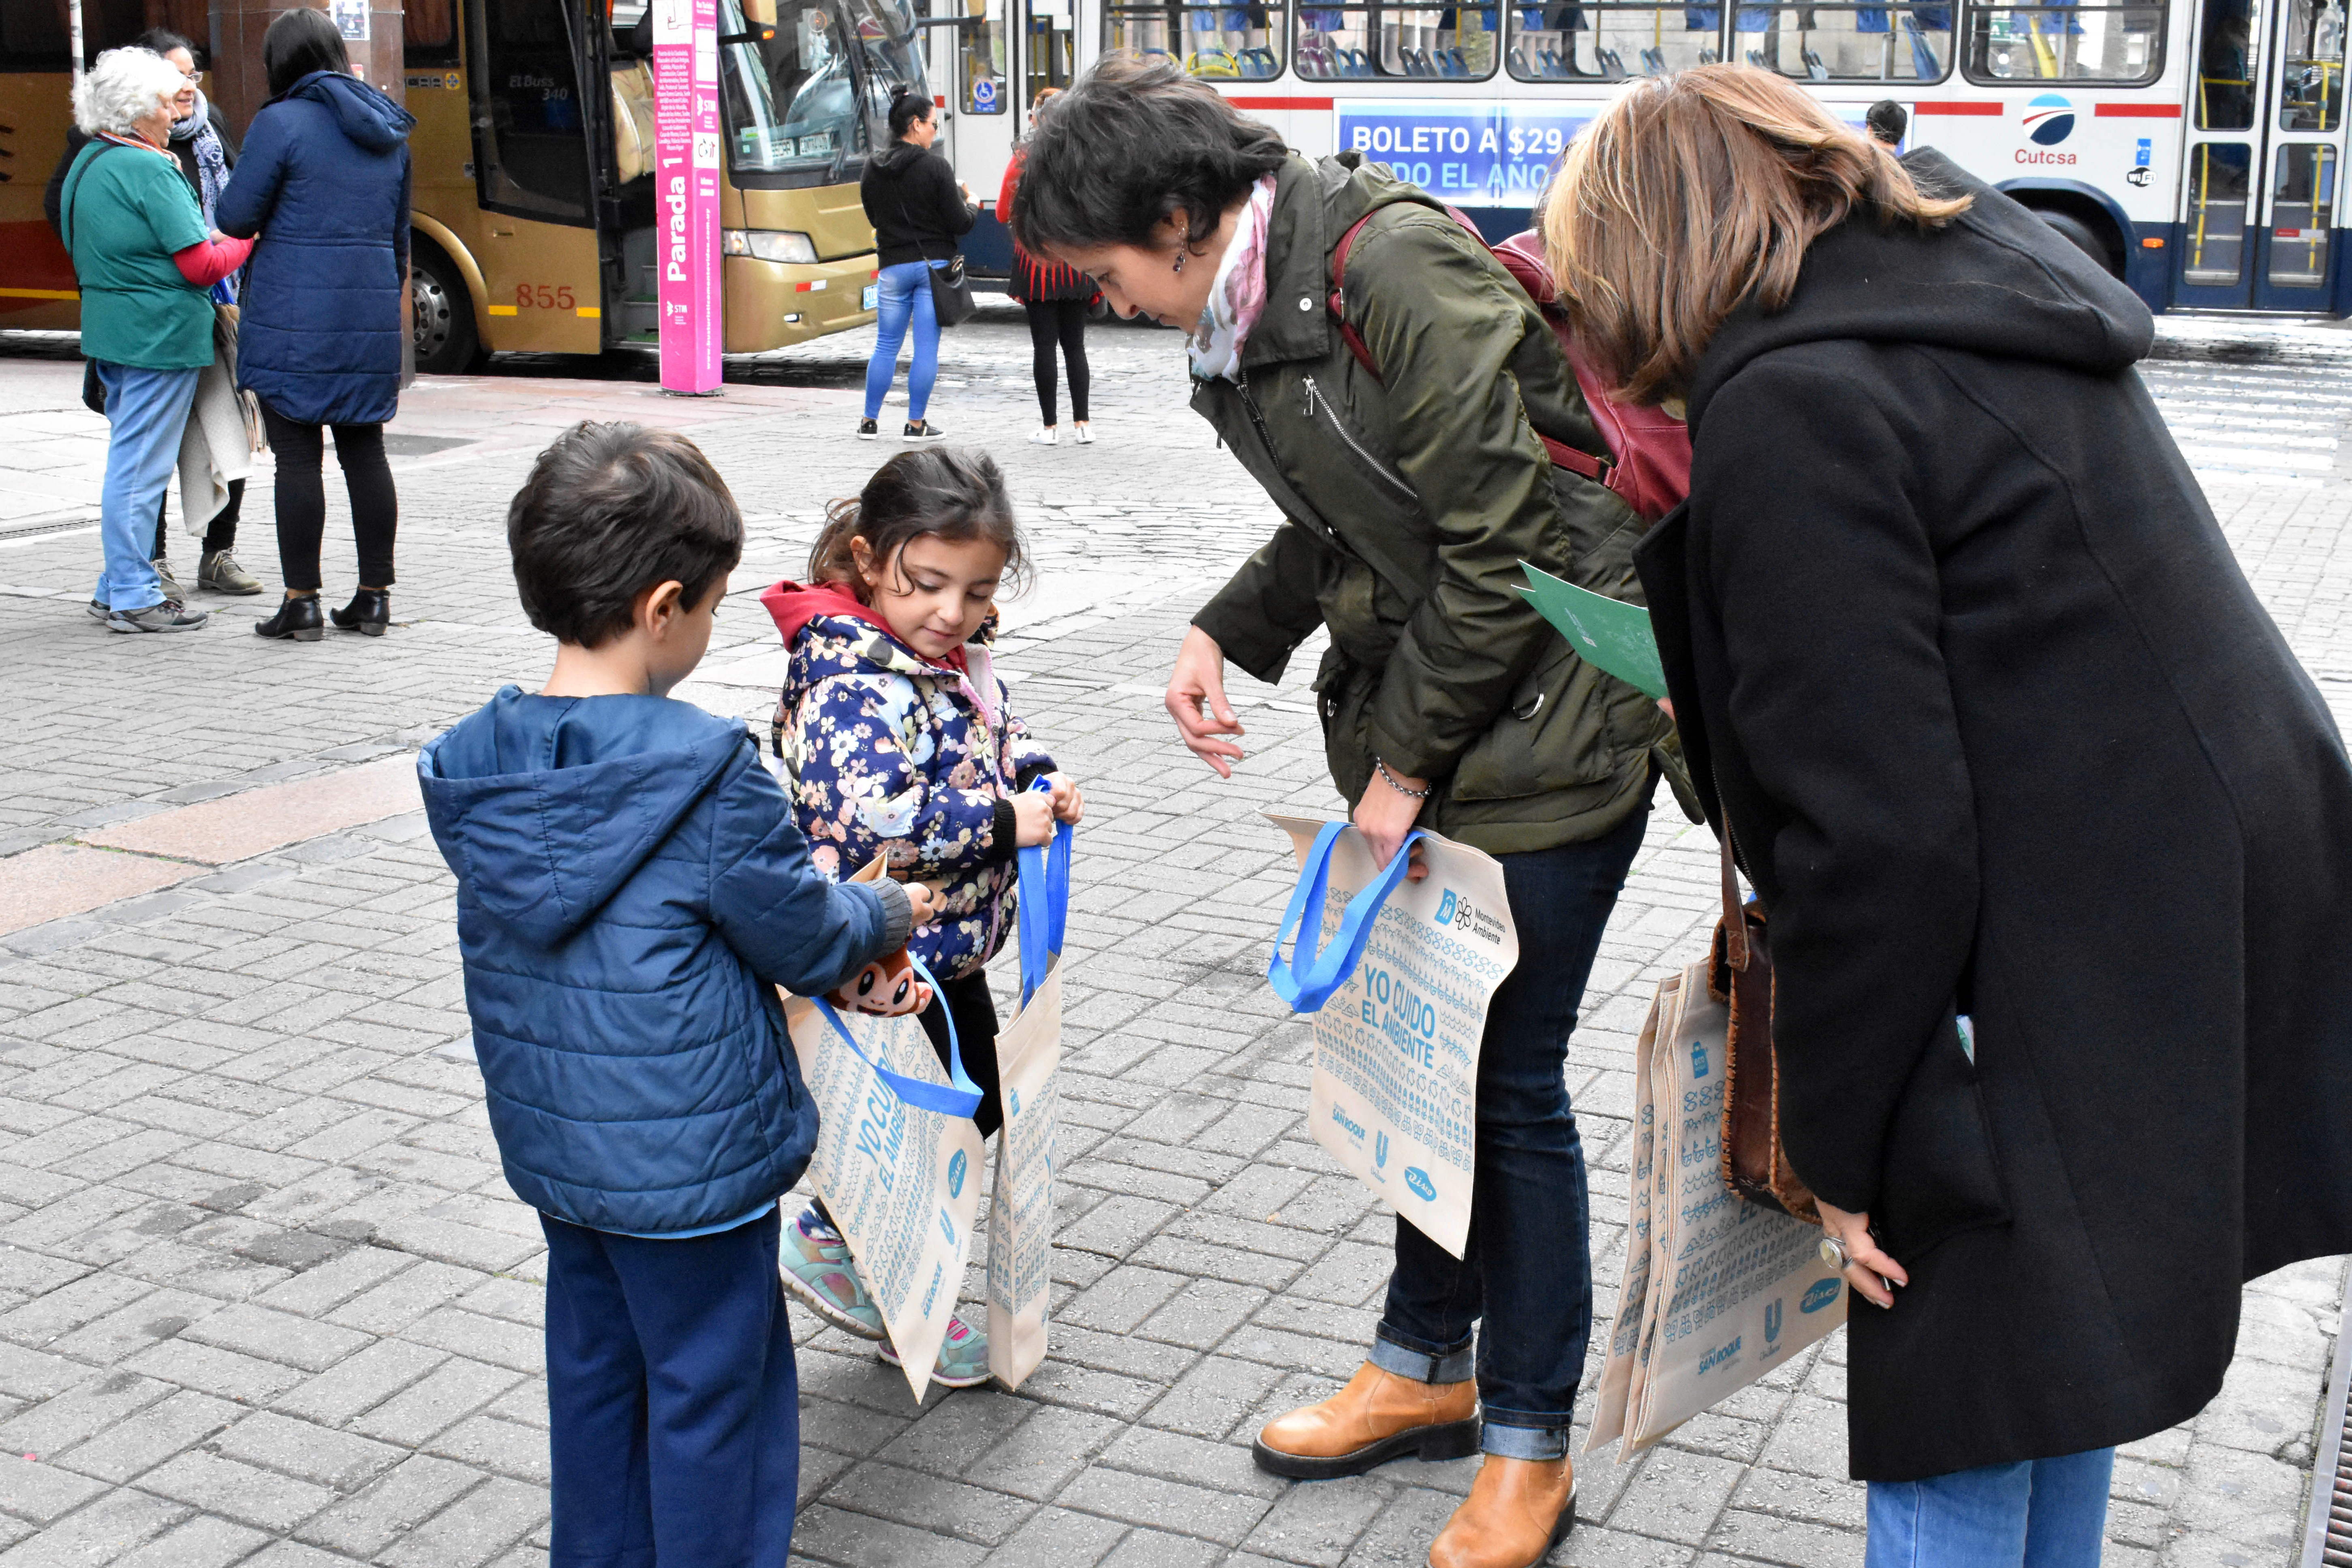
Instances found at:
x=1739 y=973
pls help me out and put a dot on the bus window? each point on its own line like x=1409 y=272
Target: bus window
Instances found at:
x=2302 y=211
x=1224 y=42
x=794 y=112
x=1048 y=58
x=2220 y=176
x=1337 y=42
x=2310 y=75
x=1846 y=42
x=979 y=59
x=1610 y=40
x=33 y=35
x=428 y=32
x=534 y=152
x=2062 y=41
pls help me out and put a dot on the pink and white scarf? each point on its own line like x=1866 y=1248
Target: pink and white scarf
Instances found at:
x=1238 y=297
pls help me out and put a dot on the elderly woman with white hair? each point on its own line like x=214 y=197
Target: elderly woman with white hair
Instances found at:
x=146 y=263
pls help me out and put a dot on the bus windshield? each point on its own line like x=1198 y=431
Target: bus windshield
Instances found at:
x=794 y=103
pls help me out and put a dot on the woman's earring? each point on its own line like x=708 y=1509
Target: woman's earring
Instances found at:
x=1180 y=261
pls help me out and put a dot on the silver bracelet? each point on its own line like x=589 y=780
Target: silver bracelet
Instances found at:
x=1390 y=778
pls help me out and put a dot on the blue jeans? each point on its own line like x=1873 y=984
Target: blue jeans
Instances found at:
x=672 y=1401
x=1523 y=1286
x=2047 y=1513
x=904 y=293
x=148 y=413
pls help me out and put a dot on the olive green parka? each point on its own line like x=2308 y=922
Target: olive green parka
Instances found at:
x=1409 y=499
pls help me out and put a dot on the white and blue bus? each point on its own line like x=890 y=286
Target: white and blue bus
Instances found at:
x=2191 y=146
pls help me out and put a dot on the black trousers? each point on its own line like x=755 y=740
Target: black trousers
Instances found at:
x=1063 y=322
x=975 y=1019
x=302 y=498
x=220 y=534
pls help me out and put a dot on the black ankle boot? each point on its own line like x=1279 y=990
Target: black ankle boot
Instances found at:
x=298 y=619
x=369 y=611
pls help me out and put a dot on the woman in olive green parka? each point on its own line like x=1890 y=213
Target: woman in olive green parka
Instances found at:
x=1409 y=498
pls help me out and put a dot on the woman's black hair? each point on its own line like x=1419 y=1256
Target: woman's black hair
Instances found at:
x=908 y=106
x=163 y=41
x=298 y=43
x=1134 y=143
x=933 y=492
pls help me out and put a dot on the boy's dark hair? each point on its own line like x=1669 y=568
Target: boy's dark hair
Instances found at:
x=1887 y=121
x=1136 y=142
x=298 y=43
x=926 y=492
x=609 y=511
x=908 y=106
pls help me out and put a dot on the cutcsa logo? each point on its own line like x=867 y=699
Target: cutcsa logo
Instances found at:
x=2049 y=119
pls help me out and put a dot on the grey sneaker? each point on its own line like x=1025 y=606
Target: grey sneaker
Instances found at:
x=168 y=616
x=98 y=611
x=171 y=585
x=219 y=571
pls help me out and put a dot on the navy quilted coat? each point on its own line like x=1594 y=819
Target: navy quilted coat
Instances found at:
x=324 y=180
x=629 y=881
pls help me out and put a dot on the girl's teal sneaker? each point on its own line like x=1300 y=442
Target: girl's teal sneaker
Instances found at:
x=817 y=1270
x=964 y=1357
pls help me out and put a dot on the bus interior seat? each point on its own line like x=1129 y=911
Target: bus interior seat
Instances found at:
x=633 y=120
x=1611 y=66
x=1755 y=58
x=1814 y=68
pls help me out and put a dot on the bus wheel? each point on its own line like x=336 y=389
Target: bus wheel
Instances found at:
x=447 y=343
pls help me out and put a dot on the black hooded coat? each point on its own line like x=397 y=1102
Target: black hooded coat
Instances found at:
x=2003 y=731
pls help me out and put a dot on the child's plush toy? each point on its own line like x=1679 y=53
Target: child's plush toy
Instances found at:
x=886 y=987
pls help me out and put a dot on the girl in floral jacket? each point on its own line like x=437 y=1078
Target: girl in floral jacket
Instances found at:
x=901 y=741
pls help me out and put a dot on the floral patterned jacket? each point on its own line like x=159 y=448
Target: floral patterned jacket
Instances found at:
x=891 y=754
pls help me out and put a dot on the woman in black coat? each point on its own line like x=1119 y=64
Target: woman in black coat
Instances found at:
x=1964 y=666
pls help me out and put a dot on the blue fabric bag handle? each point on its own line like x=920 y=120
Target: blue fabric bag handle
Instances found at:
x=960 y=1100
x=1044 y=907
x=1327 y=970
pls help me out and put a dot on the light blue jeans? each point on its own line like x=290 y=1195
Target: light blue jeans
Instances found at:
x=2046 y=1513
x=149 y=411
x=904 y=293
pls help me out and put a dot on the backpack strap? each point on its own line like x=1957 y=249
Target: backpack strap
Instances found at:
x=1562 y=454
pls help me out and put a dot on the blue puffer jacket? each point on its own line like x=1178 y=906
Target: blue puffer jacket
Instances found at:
x=629 y=881
x=324 y=180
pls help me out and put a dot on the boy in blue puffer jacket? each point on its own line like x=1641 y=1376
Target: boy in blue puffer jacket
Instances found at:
x=631 y=888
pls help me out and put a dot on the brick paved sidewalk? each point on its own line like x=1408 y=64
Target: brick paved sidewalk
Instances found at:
x=264 y=1297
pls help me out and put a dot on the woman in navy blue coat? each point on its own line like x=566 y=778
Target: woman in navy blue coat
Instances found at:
x=324 y=182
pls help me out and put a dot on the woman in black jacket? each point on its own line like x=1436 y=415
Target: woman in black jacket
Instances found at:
x=1057 y=298
x=918 y=209
x=2054 y=833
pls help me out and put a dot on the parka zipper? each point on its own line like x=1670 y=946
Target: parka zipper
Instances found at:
x=1311 y=397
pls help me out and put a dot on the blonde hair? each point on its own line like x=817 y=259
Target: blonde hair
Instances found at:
x=1694 y=192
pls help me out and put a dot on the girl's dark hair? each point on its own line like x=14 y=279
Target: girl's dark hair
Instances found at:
x=298 y=43
x=906 y=106
x=163 y=41
x=609 y=511
x=930 y=492
x=1134 y=143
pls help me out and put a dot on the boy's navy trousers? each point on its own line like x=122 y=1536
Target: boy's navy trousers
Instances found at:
x=672 y=1401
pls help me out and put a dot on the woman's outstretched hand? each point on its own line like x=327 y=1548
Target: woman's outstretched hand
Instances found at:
x=1197 y=683
x=1871 y=1271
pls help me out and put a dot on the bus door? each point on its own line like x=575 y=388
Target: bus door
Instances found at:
x=2295 y=264
x=537 y=181
x=984 y=106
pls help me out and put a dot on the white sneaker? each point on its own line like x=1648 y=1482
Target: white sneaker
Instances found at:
x=1085 y=433
x=1044 y=435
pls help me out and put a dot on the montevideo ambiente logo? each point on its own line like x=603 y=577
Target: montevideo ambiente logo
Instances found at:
x=2049 y=119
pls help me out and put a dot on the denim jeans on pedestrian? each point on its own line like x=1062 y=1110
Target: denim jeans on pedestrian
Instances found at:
x=148 y=413
x=904 y=293
x=2045 y=1514
x=1524 y=1282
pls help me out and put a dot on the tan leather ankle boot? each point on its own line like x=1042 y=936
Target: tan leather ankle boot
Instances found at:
x=1379 y=1417
x=1517 y=1511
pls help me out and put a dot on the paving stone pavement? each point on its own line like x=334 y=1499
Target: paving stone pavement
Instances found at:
x=264 y=1295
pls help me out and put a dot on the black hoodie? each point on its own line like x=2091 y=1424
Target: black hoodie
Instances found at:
x=912 y=200
x=2001 y=730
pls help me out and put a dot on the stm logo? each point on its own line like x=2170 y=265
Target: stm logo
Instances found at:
x=2049 y=119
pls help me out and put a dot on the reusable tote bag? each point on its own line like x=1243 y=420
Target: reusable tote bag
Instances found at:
x=1028 y=1065
x=1398 y=991
x=896 y=1161
x=1717 y=1291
